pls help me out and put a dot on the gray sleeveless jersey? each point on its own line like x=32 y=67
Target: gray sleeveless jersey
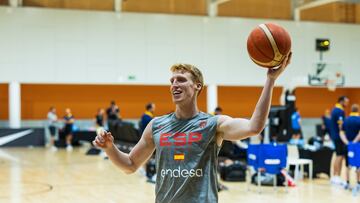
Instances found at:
x=186 y=158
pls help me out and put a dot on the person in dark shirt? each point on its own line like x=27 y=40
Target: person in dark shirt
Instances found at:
x=99 y=118
x=68 y=128
x=351 y=133
x=112 y=116
x=326 y=123
x=147 y=116
x=337 y=118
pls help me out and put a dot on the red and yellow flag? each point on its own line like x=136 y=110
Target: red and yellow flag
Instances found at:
x=179 y=156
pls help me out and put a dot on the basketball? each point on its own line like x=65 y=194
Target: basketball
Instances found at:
x=268 y=44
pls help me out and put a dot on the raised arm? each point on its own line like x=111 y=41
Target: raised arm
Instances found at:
x=128 y=163
x=237 y=128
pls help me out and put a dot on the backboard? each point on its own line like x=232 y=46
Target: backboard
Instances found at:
x=324 y=74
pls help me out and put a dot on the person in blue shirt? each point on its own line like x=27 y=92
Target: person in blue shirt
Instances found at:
x=296 y=138
x=147 y=116
x=296 y=124
x=337 y=118
x=351 y=133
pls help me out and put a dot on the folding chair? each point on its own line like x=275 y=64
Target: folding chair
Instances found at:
x=271 y=157
x=354 y=160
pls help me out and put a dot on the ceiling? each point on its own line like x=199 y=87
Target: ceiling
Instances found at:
x=337 y=11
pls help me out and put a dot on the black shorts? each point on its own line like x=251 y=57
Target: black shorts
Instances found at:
x=340 y=148
x=68 y=129
x=297 y=131
x=52 y=130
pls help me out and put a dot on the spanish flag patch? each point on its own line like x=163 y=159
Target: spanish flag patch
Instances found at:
x=179 y=156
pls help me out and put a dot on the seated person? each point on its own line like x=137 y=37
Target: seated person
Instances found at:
x=297 y=140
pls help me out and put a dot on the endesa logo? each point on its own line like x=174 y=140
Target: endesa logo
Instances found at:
x=178 y=172
x=179 y=139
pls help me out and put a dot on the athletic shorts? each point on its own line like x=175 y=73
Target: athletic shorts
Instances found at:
x=52 y=130
x=68 y=129
x=340 y=148
x=297 y=131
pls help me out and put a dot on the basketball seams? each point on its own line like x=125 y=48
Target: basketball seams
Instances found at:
x=277 y=55
x=257 y=48
x=265 y=46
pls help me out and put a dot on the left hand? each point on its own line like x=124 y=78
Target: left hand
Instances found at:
x=274 y=73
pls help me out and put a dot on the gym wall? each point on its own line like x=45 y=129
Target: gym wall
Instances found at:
x=312 y=102
x=85 y=100
x=241 y=101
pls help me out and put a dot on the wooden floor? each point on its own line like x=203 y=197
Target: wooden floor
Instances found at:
x=39 y=175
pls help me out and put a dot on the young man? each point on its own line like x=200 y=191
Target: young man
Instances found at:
x=187 y=141
x=337 y=118
x=350 y=132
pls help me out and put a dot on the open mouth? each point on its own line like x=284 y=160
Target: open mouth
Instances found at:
x=176 y=92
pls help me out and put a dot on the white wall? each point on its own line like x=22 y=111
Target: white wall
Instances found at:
x=66 y=46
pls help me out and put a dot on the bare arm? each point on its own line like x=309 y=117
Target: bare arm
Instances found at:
x=357 y=138
x=128 y=163
x=343 y=137
x=237 y=128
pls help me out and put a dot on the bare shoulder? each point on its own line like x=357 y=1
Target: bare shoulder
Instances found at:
x=221 y=119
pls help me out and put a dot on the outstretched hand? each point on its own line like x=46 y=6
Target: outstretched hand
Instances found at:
x=103 y=140
x=274 y=73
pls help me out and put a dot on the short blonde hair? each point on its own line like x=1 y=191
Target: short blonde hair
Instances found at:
x=197 y=76
x=355 y=108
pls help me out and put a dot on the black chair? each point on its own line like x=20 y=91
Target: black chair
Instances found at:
x=125 y=136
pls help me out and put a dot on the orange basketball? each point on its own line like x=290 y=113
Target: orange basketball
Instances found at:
x=268 y=44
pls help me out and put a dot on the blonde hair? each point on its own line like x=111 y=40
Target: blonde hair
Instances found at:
x=196 y=74
x=355 y=108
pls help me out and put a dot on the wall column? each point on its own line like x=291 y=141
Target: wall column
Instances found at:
x=14 y=105
x=212 y=98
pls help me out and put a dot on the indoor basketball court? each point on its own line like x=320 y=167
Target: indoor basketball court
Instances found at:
x=179 y=101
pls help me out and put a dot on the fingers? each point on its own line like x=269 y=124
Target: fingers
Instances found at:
x=102 y=138
x=288 y=61
x=98 y=144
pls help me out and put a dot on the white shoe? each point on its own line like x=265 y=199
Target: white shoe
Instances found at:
x=53 y=149
x=69 y=148
x=336 y=180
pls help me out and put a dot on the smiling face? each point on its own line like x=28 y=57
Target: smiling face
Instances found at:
x=183 y=89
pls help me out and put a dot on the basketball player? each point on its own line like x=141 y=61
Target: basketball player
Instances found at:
x=337 y=118
x=350 y=132
x=187 y=141
x=69 y=122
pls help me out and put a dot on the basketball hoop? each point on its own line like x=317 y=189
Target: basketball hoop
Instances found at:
x=328 y=75
x=331 y=84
